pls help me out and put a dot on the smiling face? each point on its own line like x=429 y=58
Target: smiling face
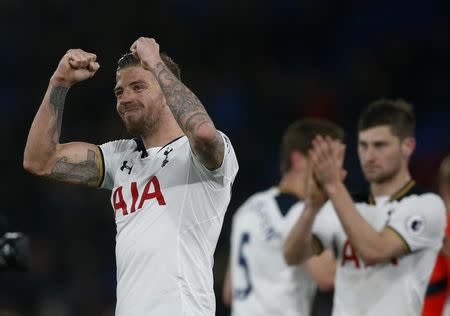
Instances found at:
x=140 y=101
x=382 y=154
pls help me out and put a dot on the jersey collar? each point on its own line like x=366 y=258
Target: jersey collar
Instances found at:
x=397 y=195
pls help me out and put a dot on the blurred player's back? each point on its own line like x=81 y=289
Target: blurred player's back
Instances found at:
x=262 y=282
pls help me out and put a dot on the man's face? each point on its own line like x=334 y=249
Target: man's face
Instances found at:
x=140 y=101
x=380 y=154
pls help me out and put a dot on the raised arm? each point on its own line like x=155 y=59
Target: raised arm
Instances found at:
x=301 y=244
x=205 y=140
x=44 y=155
x=373 y=246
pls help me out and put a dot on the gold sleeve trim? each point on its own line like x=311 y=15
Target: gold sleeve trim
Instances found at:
x=400 y=193
x=405 y=245
x=101 y=166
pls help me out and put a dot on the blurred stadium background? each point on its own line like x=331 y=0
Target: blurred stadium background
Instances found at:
x=256 y=65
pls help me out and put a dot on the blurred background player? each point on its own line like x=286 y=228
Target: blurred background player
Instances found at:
x=170 y=187
x=258 y=281
x=438 y=291
x=387 y=239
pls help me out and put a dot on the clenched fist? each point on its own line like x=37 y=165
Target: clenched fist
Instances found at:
x=75 y=66
x=146 y=50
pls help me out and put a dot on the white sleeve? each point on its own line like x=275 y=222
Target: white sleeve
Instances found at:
x=225 y=174
x=420 y=221
x=111 y=152
x=325 y=226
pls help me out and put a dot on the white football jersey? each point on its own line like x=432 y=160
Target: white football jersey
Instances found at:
x=263 y=284
x=396 y=287
x=169 y=210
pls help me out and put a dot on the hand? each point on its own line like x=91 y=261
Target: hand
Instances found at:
x=327 y=158
x=315 y=196
x=75 y=66
x=146 y=50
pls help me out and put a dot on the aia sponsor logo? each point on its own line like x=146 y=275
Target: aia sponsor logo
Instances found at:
x=349 y=257
x=151 y=191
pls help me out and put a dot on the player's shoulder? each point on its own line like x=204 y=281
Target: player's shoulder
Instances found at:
x=259 y=202
x=411 y=194
x=420 y=202
x=271 y=201
x=412 y=191
x=256 y=200
x=419 y=196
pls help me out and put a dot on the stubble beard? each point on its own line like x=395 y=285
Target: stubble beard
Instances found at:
x=145 y=125
x=385 y=176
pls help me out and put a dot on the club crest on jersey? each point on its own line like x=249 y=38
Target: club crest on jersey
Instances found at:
x=415 y=224
x=125 y=166
x=166 y=159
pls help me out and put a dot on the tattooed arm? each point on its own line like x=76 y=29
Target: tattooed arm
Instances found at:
x=192 y=117
x=44 y=155
x=205 y=140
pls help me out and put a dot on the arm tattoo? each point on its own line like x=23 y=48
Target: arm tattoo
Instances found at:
x=190 y=115
x=183 y=103
x=84 y=172
x=57 y=98
x=195 y=120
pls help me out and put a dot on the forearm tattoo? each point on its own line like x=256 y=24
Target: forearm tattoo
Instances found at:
x=57 y=99
x=84 y=172
x=189 y=113
x=186 y=107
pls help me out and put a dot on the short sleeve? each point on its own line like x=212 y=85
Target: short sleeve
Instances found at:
x=225 y=174
x=325 y=226
x=111 y=153
x=420 y=221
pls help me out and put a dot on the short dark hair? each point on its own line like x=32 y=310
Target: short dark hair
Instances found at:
x=444 y=171
x=300 y=134
x=397 y=114
x=129 y=60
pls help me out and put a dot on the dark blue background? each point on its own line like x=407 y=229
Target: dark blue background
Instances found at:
x=256 y=65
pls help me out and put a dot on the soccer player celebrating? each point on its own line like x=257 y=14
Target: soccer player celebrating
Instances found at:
x=170 y=187
x=387 y=239
x=258 y=281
